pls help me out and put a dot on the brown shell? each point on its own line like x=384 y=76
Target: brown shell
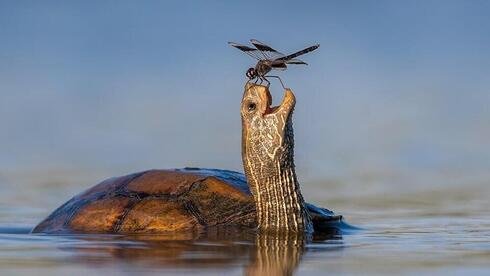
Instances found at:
x=157 y=201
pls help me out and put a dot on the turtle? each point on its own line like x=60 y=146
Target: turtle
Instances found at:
x=266 y=197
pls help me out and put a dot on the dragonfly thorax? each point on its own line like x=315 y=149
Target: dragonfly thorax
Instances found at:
x=262 y=68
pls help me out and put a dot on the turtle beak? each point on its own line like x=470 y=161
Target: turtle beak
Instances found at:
x=286 y=106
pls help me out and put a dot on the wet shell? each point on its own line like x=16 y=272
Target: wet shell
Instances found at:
x=163 y=201
x=157 y=201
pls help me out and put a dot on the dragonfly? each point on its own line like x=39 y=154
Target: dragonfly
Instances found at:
x=269 y=59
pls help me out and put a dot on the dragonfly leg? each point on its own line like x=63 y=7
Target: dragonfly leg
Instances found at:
x=267 y=81
x=277 y=77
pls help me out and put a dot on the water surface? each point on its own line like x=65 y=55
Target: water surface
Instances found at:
x=443 y=230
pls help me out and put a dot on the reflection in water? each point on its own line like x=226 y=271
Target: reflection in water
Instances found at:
x=256 y=253
x=391 y=245
x=276 y=254
x=281 y=253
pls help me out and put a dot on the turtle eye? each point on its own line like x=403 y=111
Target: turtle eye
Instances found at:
x=251 y=107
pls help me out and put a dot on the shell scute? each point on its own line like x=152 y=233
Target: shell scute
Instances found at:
x=110 y=185
x=157 y=215
x=164 y=182
x=220 y=203
x=100 y=215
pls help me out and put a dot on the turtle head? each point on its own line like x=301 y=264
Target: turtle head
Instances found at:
x=267 y=134
x=268 y=160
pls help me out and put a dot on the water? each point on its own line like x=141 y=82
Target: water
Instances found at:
x=441 y=228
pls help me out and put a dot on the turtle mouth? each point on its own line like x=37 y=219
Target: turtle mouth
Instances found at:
x=286 y=105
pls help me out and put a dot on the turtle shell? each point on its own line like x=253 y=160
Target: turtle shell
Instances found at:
x=159 y=201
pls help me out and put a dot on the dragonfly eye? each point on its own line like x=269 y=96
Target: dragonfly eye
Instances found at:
x=250 y=73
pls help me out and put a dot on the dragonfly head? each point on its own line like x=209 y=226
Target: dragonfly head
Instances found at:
x=251 y=73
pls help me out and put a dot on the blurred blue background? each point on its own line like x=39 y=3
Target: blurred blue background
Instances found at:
x=396 y=88
x=392 y=121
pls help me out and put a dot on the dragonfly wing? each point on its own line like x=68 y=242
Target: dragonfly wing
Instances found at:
x=247 y=50
x=267 y=51
x=295 y=61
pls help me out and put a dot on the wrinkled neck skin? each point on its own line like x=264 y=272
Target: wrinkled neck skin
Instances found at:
x=268 y=161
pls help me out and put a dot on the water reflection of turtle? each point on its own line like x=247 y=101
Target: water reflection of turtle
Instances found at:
x=218 y=251
x=195 y=199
